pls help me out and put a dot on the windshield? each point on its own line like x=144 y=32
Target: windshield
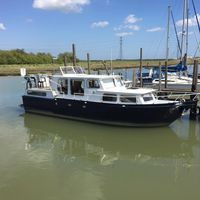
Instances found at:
x=108 y=83
x=147 y=97
x=118 y=82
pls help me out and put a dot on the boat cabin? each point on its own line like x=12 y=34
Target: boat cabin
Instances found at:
x=79 y=86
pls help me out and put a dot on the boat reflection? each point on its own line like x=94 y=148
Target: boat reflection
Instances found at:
x=105 y=144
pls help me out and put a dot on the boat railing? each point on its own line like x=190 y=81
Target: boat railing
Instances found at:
x=183 y=97
x=71 y=70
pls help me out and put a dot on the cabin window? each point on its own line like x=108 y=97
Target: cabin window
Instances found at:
x=77 y=87
x=93 y=83
x=37 y=93
x=63 y=86
x=128 y=99
x=147 y=97
x=110 y=97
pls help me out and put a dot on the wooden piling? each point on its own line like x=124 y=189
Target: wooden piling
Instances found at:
x=74 y=54
x=141 y=80
x=134 y=78
x=88 y=63
x=166 y=70
x=195 y=76
x=193 y=110
x=65 y=60
x=160 y=84
x=105 y=66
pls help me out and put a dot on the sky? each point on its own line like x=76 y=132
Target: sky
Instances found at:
x=95 y=26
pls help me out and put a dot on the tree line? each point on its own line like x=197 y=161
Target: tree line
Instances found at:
x=20 y=56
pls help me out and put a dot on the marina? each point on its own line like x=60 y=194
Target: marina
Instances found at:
x=99 y=100
x=46 y=157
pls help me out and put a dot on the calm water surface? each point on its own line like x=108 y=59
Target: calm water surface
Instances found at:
x=44 y=158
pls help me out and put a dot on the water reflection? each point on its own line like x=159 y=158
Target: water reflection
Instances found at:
x=105 y=144
x=48 y=158
x=123 y=162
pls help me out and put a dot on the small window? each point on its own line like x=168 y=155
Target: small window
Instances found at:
x=37 y=93
x=147 y=97
x=93 y=84
x=110 y=97
x=63 y=86
x=77 y=87
x=128 y=99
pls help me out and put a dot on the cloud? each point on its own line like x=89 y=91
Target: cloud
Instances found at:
x=67 y=6
x=131 y=19
x=2 y=27
x=132 y=27
x=100 y=24
x=129 y=24
x=156 y=29
x=124 y=34
x=191 y=21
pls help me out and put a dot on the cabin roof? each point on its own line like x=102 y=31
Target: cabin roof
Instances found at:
x=123 y=90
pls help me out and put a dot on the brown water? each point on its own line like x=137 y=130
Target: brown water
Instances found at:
x=44 y=158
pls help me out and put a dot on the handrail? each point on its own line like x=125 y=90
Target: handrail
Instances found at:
x=180 y=95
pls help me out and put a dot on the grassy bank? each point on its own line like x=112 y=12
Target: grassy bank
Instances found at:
x=14 y=70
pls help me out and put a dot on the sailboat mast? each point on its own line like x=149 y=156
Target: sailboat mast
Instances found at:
x=168 y=31
x=183 y=29
x=187 y=29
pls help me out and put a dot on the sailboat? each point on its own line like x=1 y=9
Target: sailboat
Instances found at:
x=177 y=76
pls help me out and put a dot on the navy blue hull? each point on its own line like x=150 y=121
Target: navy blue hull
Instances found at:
x=115 y=114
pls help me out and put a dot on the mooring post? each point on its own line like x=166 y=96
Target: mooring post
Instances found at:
x=141 y=82
x=88 y=62
x=193 y=110
x=105 y=66
x=160 y=76
x=166 y=70
x=134 y=78
x=74 y=54
x=195 y=76
x=65 y=60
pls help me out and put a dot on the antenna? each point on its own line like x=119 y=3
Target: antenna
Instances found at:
x=121 y=48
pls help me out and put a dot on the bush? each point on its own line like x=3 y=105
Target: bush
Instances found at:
x=19 y=56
